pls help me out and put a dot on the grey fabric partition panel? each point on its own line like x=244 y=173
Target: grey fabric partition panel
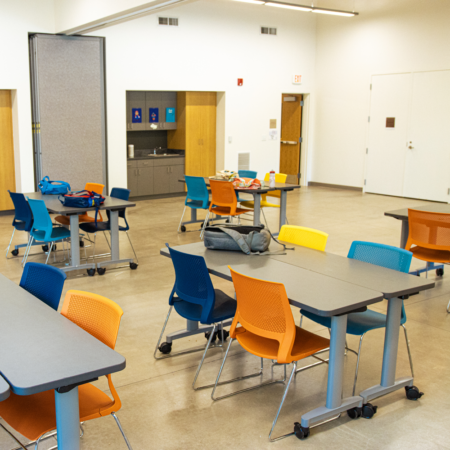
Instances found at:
x=68 y=98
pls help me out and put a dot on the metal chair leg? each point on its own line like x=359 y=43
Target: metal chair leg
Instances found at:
x=93 y=251
x=129 y=240
x=17 y=440
x=448 y=307
x=107 y=241
x=409 y=351
x=281 y=405
x=181 y=220
x=28 y=250
x=203 y=358
x=49 y=253
x=204 y=225
x=357 y=363
x=10 y=242
x=121 y=430
x=301 y=320
x=265 y=220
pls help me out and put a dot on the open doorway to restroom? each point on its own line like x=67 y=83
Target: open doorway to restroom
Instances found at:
x=291 y=136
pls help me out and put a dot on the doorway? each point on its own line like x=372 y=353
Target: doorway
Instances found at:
x=408 y=153
x=291 y=126
x=7 y=169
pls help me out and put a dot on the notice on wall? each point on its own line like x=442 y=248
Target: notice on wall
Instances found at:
x=136 y=115
x=273 y=134
x=296 y=79
x=153 y=114
x=390 y=122
x=273 y=123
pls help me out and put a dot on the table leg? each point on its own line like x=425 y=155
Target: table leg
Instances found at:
x=193 y=215
x=114 y=221
x=405 y=233
x=335 y=404
x=256 y=209
x=388 y=382
x=68 y=420
x=283 y=206
x=74 y=240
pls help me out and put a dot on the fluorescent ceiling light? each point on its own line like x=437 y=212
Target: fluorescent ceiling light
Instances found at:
x=288 y=6
x=256 y=2
x=335 y=13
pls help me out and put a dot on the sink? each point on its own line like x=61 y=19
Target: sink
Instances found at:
x=165 y=154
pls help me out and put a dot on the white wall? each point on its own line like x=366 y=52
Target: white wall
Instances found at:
x=387 y=37
x=17 y=18
x=215 y=44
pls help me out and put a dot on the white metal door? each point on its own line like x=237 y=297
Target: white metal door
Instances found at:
x=427 y=169
x=387 y=146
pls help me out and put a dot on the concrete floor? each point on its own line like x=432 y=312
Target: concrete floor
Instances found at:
x=161 y=411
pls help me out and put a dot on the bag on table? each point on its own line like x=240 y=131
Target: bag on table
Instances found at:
x=83 y=199
x=48 y=187
x=252 y=240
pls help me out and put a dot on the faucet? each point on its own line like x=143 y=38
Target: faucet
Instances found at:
x=156 y=148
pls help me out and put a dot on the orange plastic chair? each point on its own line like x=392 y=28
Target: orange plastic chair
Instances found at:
x=268 y=330
x=223 y=201
x=429 y=233
x=279 y=178
x=94 y=187
x=34 y=416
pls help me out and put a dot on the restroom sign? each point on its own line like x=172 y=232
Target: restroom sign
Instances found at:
x=297 y=79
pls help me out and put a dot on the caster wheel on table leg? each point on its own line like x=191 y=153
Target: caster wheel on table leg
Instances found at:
x=413 y=393
x=208 y=334
x=301 y=432
x=45 y=248
x=133 y=266
x=101 y=270
x=15 y=252
x=354 y=413
x=91 y=272
x=165 y=348
x=183 y=229
x=368 y=410
x=439 y=272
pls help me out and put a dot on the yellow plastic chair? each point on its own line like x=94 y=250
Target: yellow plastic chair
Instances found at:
x=94 y=187
x=279 y=178
x=305 y=237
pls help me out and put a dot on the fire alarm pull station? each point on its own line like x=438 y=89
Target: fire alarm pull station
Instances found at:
x=240 y=82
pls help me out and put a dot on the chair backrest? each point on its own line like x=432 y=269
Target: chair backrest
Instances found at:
x=263 y=309
x=223 y=194
x=41 y=218
x=382 y=255
x=306 y=237
x=197 y=190
x=122 y=194
x=44 y=282
x=279 y=178
x=428 y=229
x=193 y=283
x=247 y=174
x=22 y=210
x=95 y=187
x=97 y=315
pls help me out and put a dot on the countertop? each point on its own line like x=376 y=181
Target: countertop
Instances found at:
x=170 y=154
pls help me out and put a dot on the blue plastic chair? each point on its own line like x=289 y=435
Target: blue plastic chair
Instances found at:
x=92 y=227
x=246 y=174
x=44 y=282
x=194 y=298
x=43 y=229
x=197 y=197
x=23 y=219
x=358 y=324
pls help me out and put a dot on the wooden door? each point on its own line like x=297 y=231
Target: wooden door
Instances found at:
x=7 y=169
x=291 y=123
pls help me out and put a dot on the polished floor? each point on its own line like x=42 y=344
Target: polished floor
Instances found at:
x=161 y=411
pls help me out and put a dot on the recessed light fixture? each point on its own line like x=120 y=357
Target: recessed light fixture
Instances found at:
x=288 y=6
x=301 y=8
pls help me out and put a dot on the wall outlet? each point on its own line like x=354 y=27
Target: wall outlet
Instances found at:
x=264 y=138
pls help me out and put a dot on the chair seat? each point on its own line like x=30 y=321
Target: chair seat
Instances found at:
x=65 y=220
x=224 y=211
x=224 y=308
x=357 y=323
x=305 y=344
x=34 y=415
x=58 y=233
x=101 y=226
x=264 y=204
x=430 y=255
x=195 y=204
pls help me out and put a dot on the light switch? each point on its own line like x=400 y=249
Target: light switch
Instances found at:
x=264 y=138
x=230 y=139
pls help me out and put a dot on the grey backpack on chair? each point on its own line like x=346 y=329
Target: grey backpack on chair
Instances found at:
x=248 y=239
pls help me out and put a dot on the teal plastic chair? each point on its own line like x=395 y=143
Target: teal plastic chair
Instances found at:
x=246 y=174
x=358 y=324
x=197 y=197
x=43 y=229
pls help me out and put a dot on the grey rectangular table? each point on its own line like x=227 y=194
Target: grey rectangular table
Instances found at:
x=257 y=193
x=332 y=286
x=113 y=205
x=43 y=350
x=4 y=389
